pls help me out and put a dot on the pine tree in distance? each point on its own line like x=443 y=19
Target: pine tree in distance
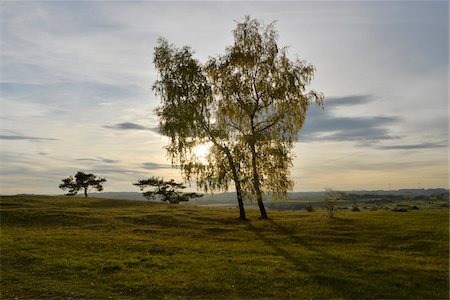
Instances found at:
x=168 y=191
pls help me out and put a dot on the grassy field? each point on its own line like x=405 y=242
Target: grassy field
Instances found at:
x=58 y=247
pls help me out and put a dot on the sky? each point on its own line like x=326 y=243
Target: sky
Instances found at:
x=76 y=89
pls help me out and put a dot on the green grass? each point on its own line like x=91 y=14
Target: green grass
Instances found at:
x=58 y=247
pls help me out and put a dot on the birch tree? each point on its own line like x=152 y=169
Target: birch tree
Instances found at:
x=249 y=103
x=187 y=116
x=262 y=96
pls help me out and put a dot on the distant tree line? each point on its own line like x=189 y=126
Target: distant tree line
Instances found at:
x=438 y=196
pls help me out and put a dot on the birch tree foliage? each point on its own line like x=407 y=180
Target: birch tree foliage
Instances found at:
x=250 y=103
x=185 y=101
x=187 y=116
x=263 y=101
x=186 y=98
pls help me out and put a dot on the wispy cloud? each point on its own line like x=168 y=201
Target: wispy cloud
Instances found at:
x=81 y=88
x=115 y=170
x=348 y=100
x=131 y=126
x=156 y=166
x=442 y=144
x=99 y=159
x=24 y=137
x=323 y=125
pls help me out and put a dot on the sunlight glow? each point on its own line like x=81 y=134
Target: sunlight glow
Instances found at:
x=202 y=151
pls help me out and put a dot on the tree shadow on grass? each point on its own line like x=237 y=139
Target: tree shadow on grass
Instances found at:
x=162 y=220
x=171 y=220
x=339 y=231
x=274 y=245
x=218 y=221
x=316 y=270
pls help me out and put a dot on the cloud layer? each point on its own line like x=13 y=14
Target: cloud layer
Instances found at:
x=324 y=125
x=77 y=76
x=24 y=137
x=131 y=126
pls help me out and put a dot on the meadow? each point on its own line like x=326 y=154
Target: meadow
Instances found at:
x=76 y=248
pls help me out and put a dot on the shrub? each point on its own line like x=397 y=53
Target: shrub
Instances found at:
x=355 y=207
x=331 y=199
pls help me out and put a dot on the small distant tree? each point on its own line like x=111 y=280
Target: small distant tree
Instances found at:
x=169 y=191
x=262 y=98
x=82 y=181
x=332 y=196
x=355 y=207
x=187 y=116
x=309 y=208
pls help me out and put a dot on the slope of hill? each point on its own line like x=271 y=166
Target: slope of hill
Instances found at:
x=77 y=248
x=119 y=195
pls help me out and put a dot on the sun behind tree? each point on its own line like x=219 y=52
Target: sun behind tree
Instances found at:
x=249 y=103
x=201 y=152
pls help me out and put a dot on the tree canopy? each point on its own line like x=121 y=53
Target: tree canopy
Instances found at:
x=82 y=181
x=262 y=98
x=250 y=102
x=187 y=116
x=169 y=191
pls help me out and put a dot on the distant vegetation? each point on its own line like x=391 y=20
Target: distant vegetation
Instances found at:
x=82 y=181
x=416 y=194
x=364 y=200
x=56 y=248
x=331 y=199
x=356 y=201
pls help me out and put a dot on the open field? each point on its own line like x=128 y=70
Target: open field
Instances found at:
x=59 y=247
